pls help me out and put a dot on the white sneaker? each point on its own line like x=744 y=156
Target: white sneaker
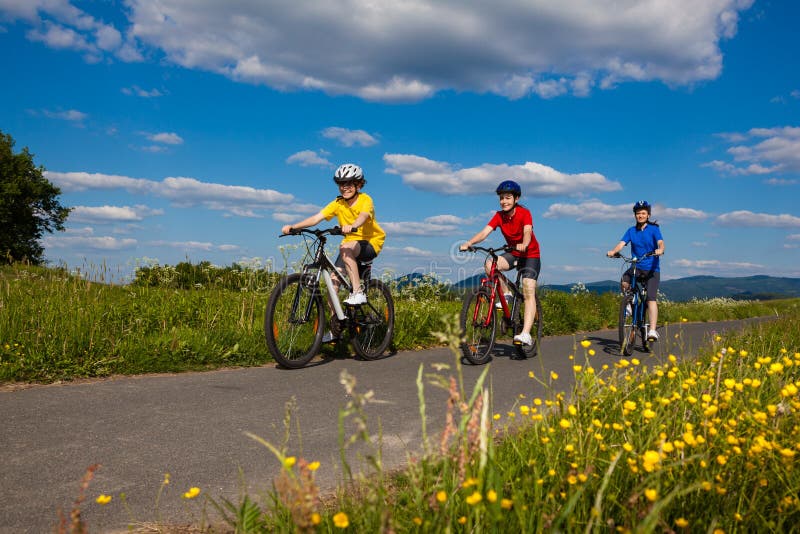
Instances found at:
x=499 y=304
x=652 y=335
x=628 y=310
x=523 y=338
x=356 y=299
x=329 y=337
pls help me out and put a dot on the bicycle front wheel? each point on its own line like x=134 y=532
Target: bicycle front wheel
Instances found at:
x=294 y=322
x=372 y=326
x=478 y=327
x=627 y=332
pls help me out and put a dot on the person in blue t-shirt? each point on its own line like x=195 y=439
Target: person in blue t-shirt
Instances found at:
x=644 y=237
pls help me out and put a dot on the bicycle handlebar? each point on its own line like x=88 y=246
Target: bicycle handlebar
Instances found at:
x=336 y=230
x=490 y=251
x=633 y=259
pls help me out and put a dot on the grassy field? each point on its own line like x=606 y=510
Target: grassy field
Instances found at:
x=707 y=443
x=55 y=325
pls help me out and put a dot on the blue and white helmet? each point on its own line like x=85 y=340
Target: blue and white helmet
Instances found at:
x=641 y=205
x=348 y=173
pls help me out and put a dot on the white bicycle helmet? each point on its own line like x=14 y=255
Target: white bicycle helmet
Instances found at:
x=348 y=173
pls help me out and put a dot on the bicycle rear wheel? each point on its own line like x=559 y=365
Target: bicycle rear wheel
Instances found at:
x=478 y=334
x=627 y=332
x=372 y=326
x=529 y=351
x=294 y=321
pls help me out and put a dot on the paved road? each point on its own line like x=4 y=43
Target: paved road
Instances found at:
x=192 y=426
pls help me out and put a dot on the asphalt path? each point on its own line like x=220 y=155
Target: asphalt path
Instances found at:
x=193 y=425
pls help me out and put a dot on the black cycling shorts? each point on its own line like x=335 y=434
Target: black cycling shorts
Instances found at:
x=651 y=280
x=527 y=267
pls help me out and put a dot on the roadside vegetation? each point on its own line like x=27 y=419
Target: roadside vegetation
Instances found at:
x=705 y=443
x=60 y=325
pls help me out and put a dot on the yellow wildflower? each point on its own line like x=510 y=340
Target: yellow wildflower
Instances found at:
x=681 y=522
x=474 y=499
x=313 y=466
x=417 y=521
x=289 y=462
x=506 y=504
x=491 y=495
x=553 y=375
x=585 y=343
x=651 y=494
x=193 y=492
x=316 y=519
x=564 y=424
x=103 y=499
x=341 y=520
x=441 y=496
x=462 y=520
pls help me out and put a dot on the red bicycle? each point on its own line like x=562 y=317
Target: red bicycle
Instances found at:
x=479 y=314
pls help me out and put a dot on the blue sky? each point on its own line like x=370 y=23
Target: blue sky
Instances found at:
x=194 y=130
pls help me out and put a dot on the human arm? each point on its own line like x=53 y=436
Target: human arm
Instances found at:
x=613 y=252
x=477 y=238
x=360 y=220
x=527 y=234
x=660 y=247
x=305 y=223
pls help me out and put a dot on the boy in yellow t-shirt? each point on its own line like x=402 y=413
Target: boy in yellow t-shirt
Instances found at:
x=356 y=215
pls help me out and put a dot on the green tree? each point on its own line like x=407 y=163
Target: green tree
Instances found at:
x=29 y=205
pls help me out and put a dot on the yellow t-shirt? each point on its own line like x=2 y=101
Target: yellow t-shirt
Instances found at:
x=370 y=230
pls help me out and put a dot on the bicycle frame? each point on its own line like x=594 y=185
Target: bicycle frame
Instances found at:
x=323 y=266
x=493 y=281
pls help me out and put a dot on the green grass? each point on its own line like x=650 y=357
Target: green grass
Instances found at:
x=56 y=326
x=706 y=444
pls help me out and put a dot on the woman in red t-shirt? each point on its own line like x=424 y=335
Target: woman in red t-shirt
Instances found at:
x=516 y=224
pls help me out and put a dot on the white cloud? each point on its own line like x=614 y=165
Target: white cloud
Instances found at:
x=349 y=137
x=409 y=251
x=306 y=158
x=687 y=267
x=537 y=180
x=87 y=242
x=763 y=220
x=184 y=245
x=183 y=192
x=168 y=138
x=595 y=211
x=111 y=213
x=781 y=181
x=407 y=51
x=762 y=151
x=58 y=24
x=135 y=90
x=69 y=115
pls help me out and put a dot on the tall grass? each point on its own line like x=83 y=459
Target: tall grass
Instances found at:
x=696 y=445
x=57 y=325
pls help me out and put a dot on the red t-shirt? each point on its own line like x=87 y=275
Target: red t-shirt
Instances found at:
x=512 y=226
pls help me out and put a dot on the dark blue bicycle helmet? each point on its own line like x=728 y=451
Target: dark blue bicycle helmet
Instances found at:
x=641 y=205
x=509 y=186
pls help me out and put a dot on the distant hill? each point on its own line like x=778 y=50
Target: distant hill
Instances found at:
x=760 y=287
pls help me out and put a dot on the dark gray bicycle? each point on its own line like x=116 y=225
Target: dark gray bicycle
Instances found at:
x=295 y=320
x=632 y=309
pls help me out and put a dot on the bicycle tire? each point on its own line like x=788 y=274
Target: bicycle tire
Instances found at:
x=292 y=342
x=530 y=351
x=627 y=332
x=478 y=339
x=372 y=326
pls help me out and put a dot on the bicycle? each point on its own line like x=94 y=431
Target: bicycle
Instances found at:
x=479 y=318
x=632 y=309
x=295 y=318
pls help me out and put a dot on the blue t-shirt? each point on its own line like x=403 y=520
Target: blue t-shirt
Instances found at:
x=642 y=242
